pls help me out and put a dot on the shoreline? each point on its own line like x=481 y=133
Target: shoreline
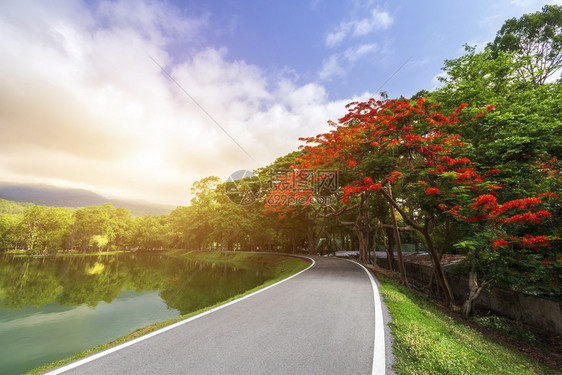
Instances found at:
x=285 y=273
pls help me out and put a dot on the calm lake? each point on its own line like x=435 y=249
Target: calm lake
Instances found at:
x=52 y=308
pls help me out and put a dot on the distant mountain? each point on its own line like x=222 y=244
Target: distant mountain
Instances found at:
x=50 y=196
x=45 y=195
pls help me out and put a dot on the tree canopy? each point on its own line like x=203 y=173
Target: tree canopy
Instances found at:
x=538 y=38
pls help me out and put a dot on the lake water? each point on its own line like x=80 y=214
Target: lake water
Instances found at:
x=52 y=308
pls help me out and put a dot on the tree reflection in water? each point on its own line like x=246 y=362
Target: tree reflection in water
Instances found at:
x=183 y=284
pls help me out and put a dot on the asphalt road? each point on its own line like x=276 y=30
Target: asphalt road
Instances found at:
x=321 y=321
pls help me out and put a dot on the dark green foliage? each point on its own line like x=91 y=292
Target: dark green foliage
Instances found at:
x=501 y=324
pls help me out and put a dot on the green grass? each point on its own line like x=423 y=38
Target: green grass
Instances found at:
x=283 y=267
x=429 y=341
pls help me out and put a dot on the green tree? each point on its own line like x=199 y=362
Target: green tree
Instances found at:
x=537 y=38
x=110 y=225
x=204 y=191
x=8 y=231
x=204 y=209
x=119 y=228
x=45 y=228
x=148 y=232
x=523 y=136
x=176 y=234
x=521 y=139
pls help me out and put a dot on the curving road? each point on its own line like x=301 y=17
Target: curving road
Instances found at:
x=321 y=321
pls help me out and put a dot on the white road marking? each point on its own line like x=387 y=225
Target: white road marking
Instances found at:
x=379 y=356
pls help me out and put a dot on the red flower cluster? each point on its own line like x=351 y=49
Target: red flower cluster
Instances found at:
x=499 y=243
x=488 y=109
x=518 y=204
x=350 y=190
x=535 y=242
x=394 y=175
x=486 y=201
x=451 y=161
x=530 y=217
x=432 y=191
x=459 y=109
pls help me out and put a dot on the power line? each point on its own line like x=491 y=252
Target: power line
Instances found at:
x=200 y=106
x=393 y=74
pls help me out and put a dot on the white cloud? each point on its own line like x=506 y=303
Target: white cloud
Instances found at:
x=82 y=104
x=155 y=21
x=436 y=81
x=354 y=54
x=331 y=67
x=378 y=20
x=338 y=64
x=337 y=36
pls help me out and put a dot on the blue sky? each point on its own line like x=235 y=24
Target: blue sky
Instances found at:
x=352 y=47
x=83 y=104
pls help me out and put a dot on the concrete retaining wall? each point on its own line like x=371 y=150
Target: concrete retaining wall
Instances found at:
x=539 y=312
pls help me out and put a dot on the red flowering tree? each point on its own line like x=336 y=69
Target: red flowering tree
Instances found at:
x=399 y=144
x=500 y=247
x=384 y=143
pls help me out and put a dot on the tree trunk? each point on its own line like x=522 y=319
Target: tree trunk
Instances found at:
x=431 y=249
x=363 y=239
x=439 y=272
x=403 y=277
x=314 y=238
x=374 y=248
x=361 y=228
x=362 y=231
x=389 y=251
x=367 y=234
x=473 y=289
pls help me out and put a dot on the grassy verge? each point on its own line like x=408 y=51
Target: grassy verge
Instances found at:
x=429 y=341
x=283 y=267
